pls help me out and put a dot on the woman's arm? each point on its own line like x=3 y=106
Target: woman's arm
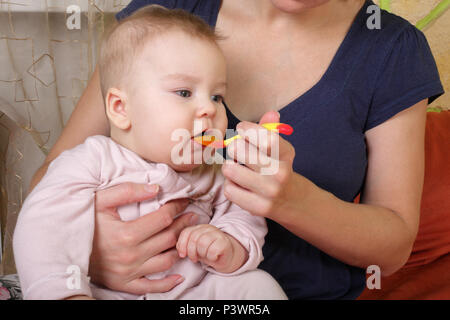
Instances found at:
x=87 y=119
x=381 y=230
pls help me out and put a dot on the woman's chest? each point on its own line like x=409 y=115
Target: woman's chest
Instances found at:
x=268 y=72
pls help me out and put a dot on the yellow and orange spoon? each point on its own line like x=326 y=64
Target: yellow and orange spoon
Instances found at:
x=219 y=144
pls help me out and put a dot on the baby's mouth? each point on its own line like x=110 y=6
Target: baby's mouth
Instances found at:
x=204 y=138
x=200 y=134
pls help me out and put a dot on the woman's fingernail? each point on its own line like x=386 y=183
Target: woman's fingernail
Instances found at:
x=179 y=280
x=152 y=188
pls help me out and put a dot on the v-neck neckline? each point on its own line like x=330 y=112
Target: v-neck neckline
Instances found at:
x=320 y=85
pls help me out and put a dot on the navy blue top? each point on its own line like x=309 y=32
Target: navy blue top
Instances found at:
x=374 y=75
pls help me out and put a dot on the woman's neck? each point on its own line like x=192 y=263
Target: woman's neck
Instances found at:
x=325 y=15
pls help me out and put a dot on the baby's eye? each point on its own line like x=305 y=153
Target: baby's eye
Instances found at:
x=217 y=98
x=184 y=93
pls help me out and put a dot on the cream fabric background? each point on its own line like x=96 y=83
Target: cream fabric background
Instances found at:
x=44 y=68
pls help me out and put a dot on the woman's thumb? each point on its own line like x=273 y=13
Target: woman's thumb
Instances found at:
x=270 y=117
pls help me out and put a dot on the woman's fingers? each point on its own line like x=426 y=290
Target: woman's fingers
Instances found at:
x=270 y=117
x=124 y=193
x=167 y=238
x=159 y=263
x=254 y=192
x=123 y=252
x=243 y=176
x=268 y=142
x=150 y=224
x=247 y=200
x=248 y=154
x=259 y=136
x=260 y=185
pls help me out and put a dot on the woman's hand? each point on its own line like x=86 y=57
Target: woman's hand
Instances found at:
x=378 y=231
x=260 y=189
x=124 y=252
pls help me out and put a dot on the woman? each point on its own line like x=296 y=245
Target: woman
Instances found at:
x=356 y=97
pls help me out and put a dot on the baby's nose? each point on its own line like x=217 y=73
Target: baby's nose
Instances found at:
x=207 y=109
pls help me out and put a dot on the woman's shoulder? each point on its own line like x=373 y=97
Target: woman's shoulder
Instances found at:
x=385 y=29
x=376 y=39
x=400 y=67
x=399 y=41
x=382 y=40
x=392 y=23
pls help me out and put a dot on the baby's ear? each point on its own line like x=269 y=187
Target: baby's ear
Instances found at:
x=116 y=108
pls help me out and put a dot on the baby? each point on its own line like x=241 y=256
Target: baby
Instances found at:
x=161 y=71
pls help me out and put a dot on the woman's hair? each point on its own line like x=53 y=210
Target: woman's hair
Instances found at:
x=122 y=44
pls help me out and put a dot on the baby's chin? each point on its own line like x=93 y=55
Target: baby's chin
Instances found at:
x=191 y=156
x=196 y=159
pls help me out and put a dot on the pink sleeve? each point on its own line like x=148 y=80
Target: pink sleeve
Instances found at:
x=249 y=230
x=53 y=236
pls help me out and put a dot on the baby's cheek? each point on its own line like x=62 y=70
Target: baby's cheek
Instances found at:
x=223 y=120
x=152 y=149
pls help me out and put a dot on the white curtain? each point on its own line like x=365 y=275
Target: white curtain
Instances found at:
x=44 y=68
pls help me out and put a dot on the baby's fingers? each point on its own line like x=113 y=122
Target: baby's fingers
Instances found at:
x=193 y=242
x=216 y=249
x=183 y=241
x=203 y=244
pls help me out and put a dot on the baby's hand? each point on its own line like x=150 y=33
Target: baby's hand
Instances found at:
x=207 y=244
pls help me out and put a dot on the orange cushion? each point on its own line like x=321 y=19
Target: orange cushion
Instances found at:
x=424 y=282
x=433 y=238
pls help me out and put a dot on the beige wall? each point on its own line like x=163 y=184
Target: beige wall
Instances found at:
x=437 y=33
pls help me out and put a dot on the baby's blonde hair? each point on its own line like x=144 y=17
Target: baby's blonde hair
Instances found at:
x=122 y=44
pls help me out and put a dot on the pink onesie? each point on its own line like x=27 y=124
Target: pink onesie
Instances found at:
x=55 y=228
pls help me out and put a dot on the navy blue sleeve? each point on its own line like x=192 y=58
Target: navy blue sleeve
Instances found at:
x=137 y=4
x=407 y=76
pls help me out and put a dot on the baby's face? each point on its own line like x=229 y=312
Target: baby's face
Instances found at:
x=178 y=80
